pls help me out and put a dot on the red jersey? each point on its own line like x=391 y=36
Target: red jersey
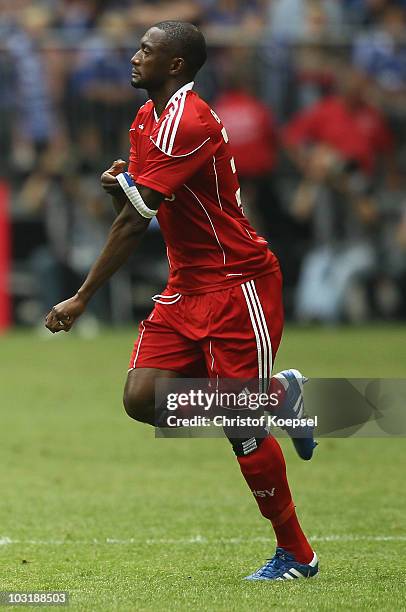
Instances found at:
x=185 y=155
x=359 y=134
x=252 y=132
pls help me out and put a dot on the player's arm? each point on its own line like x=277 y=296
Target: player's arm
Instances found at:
x=124 y=237
x=111 y=185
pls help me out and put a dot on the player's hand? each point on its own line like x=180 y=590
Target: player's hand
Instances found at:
x=108 y=178
x=63 y=315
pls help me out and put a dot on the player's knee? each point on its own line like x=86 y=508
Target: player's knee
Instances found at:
x=138 y=404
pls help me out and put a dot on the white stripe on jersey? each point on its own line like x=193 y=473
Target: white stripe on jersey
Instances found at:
x=184 y=154
x=217 y=183
x=168 y=129
x=172 y=112
x=176 y=123
x=161 y=129
x=211 y=223
x=169 y=259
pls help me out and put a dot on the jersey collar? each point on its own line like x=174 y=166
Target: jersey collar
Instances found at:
x=174 y=98
x=180 y=91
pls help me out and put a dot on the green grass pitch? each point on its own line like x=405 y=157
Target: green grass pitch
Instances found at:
x=93 y=504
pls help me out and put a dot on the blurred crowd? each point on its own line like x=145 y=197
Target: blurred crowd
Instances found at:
x=312 y=93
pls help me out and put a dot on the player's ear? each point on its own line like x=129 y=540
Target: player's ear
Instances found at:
x=177 y=66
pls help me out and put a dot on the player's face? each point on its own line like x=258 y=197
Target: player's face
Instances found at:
x=152 y=62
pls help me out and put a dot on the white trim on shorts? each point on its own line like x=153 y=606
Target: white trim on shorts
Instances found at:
x=261 y=332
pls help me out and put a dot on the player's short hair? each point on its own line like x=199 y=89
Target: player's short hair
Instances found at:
x=185 y=40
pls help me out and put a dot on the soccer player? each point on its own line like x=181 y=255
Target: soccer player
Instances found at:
x=221 y=313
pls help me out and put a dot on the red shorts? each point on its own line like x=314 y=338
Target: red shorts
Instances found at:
x=231 y=333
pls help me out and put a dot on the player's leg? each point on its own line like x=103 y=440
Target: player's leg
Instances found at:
x=159 y=352
x=243 y=345
x=139 y=393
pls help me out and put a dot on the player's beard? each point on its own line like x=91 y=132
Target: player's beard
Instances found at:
x=140 y=83
x=136 y=82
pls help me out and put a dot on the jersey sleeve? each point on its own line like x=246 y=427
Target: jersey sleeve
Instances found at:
x=132 y=160
x=177 y=152
x=133 y=157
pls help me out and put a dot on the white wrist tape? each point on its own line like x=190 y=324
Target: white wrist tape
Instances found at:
x=132 y=193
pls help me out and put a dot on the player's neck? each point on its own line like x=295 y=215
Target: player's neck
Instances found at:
x=161 y=96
